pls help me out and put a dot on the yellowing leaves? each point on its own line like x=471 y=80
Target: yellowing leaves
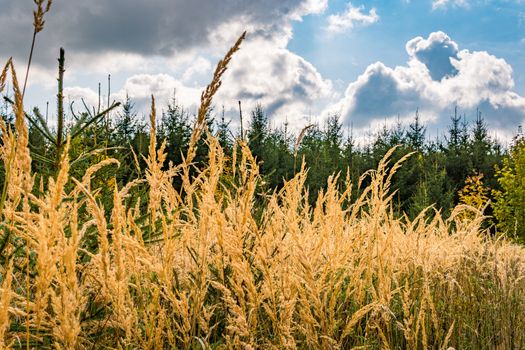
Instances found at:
x=474 y=193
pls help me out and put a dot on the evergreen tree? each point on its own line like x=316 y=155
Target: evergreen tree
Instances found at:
x=480 y=147
x=223 y=135
x=333 y=138
x=383 y=141
x=278 y=162
x=397 y=135
x=140 y=143
x=310 y=150
x=202 y=152
x=349 y=151
x=126 y=123
x=455 y=130
x=432 y=188
x=38 y=147
x=484 y=153
x=456 y=156
x=175 y=129
x=124 y=132
x=416 y=133
x=258 y=132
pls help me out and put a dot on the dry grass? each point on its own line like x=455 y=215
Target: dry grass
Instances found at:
x=202 y=272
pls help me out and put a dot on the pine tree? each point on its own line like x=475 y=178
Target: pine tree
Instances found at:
x=480 y=146
x=416 y=133
x=140 y=143
x=257 y=133
x=278 y=162
x=397 y=135
x=175 y=129
x=202 y=152
x=349 y=150
x=122 y=137
x=311 y=150
x=223 y=134
x=126 y=123
x=38 y=145
x=333 y=138
x=432 y=188
x=454 y=130
x=456 y=155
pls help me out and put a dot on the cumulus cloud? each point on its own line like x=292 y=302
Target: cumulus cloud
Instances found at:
x=437 y=77
x=198 y=68
x=172 y=45
x=163 y=86
x=139 y=88
x=382 y=92
x=148 y=28
x=284 y=83
x=435 y=53
x=353 y=16
x=75 y=93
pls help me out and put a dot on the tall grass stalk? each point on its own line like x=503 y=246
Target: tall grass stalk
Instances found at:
x=42 y=8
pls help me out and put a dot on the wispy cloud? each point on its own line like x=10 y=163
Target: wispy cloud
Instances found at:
x=437 y=4
x=352 y=17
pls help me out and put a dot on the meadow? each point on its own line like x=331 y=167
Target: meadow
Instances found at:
x=190 y=257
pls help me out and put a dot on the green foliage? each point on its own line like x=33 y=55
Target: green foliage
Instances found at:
x=509 y=206
x=175 y=129
x=126 y=124
x=257 y=133
x=416 y=133
x=432 y=189
x=223 y=135
x=433 y=175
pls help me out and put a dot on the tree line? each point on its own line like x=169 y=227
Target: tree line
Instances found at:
x=466 y=166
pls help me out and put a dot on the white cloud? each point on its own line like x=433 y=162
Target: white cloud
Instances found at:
x=76 y=93
x=352 y=17
x=435 y=52
x=198 y=68
x=113 y=62
x=435 y=83
x=285 y=84
x=163 y=87
x=444 y=4
x=139 y=88
x=437 y=4
x=309 y=7
x=172 y=45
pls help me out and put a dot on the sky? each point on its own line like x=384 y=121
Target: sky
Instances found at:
x=373 y=63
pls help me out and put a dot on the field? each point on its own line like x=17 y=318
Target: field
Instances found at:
x=213 y=265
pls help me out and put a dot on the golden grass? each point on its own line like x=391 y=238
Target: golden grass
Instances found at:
x=201 y=271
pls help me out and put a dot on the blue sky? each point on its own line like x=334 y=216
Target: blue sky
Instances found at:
x=371 y=62
x=494 y=26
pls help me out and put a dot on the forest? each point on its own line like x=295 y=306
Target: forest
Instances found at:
x=466 y=166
